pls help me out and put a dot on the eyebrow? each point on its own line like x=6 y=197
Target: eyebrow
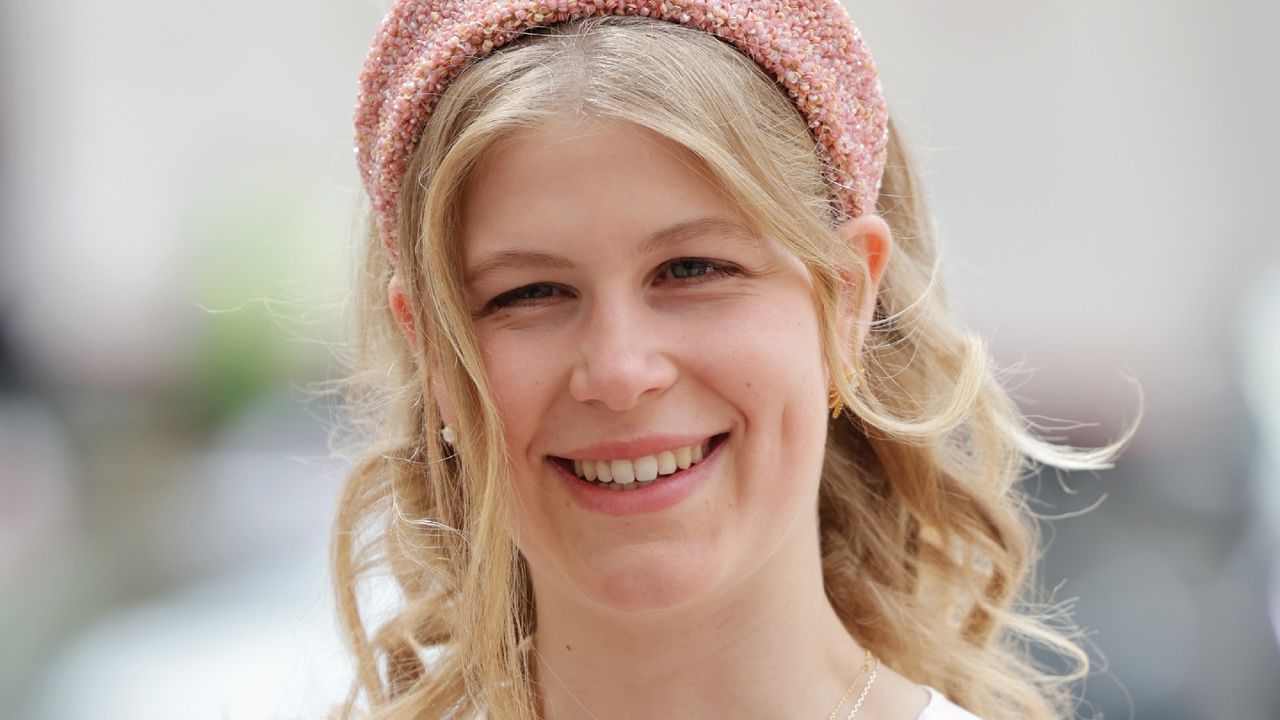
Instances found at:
x=666 y=237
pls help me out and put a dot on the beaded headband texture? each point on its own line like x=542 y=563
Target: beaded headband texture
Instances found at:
x=810 y=46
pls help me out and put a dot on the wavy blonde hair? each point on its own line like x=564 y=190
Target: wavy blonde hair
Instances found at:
x=928 y=543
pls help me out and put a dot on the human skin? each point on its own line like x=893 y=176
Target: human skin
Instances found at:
x=713 y=607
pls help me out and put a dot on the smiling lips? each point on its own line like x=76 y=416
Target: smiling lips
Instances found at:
x=630 y=474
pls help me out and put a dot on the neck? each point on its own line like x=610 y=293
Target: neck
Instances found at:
x=771 y=646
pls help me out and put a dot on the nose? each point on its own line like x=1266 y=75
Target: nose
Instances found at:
x=622 y=355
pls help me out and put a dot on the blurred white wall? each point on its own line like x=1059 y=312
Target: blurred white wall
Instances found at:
x=1101 y=173
x=136 y=132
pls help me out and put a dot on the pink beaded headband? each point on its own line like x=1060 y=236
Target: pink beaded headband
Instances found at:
x=810 y=46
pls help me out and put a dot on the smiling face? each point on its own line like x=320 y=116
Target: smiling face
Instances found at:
x=629 y=319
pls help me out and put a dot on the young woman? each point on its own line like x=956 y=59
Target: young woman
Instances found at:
x=664 y=413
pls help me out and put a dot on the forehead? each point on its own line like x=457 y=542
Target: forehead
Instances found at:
x=575 y=178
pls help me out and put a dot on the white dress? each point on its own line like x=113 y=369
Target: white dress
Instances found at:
x=940 y=708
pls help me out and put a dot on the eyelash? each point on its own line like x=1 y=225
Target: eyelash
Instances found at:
x=512 y=297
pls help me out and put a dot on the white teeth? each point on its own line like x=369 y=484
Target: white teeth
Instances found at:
x=684 y=457
x=646 y=468
x=666 y=462
x=623 y=472
x=638 y=472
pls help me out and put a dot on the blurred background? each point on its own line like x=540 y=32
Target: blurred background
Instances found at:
x=178 y=205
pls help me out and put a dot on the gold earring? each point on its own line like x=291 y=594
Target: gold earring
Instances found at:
x=834 y=402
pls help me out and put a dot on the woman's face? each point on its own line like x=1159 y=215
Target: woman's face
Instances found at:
x=629 y=321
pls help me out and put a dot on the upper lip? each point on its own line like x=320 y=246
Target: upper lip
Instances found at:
x=634 y=448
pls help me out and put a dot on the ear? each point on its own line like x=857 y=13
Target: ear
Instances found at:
x=399 y=302
x=870 y=237
x=402 y=310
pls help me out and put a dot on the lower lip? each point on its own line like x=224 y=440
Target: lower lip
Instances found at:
x=648 y=499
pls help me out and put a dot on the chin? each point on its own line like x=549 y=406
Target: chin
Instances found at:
x=653 y=580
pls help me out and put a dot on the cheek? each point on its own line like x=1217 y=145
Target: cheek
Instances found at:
x=528 y=373
x=521 y=369
x=766 y=355
x=769 y=366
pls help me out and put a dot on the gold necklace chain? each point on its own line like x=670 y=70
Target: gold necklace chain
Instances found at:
x=865 y=689
x=867 y=659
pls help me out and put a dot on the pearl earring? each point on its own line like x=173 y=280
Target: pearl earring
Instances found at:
x=448 y=435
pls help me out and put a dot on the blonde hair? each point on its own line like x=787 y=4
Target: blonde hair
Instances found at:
x=928 y=544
